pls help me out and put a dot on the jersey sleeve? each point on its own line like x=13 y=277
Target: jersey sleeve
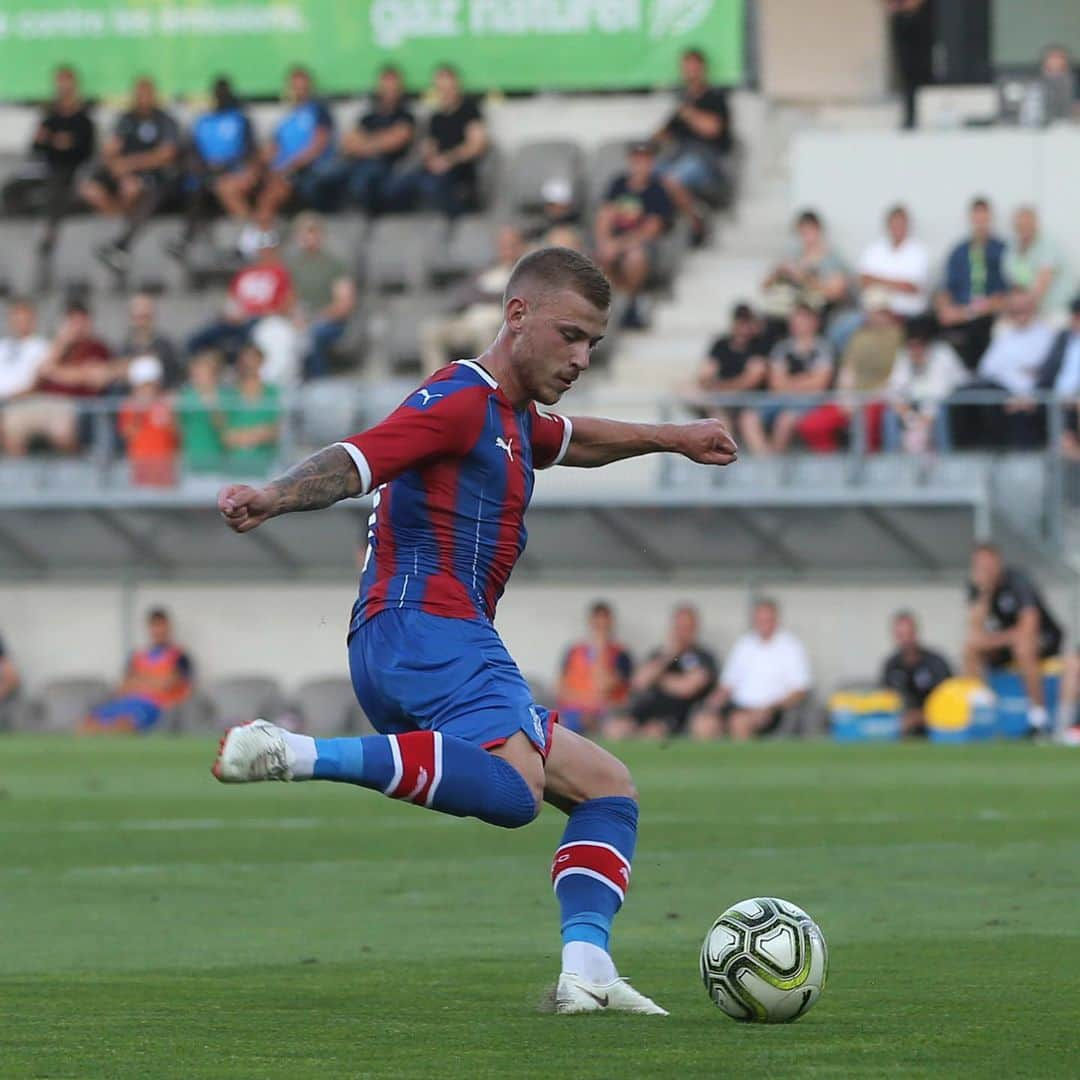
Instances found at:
x=427 y=426
x=551 y=434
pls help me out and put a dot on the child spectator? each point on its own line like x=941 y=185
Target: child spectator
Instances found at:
x=146 y=425
x=252 y=416
x=595 y=676
x=200 y=417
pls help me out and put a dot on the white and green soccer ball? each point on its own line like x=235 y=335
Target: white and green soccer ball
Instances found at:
x=764 y=961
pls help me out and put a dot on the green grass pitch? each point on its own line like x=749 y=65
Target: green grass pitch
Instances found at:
x=154 y=923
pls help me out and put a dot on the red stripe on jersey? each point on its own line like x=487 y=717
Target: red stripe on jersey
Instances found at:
x=508 y=541
x=385 y=555
x=444 y=593
x=420 y=762
x=594 y=859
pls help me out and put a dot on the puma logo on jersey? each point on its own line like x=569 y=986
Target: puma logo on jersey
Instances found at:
x=427 y=397
x=508 y=446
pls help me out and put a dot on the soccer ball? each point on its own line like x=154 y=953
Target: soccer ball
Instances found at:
x=764 y=960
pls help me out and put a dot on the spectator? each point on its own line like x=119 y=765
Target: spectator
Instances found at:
x=251 y=416
x=864 y=370
x=912 y=671
x=566 y=236
x=22 y=352
x=697 y=137
x=325 y=293
x=1059 y=83
x=298 y=156
x=911 y=27
x=634 y=215
x=144 y=338
x=457 y=138
x=800 y=368
x=898 y=264
x=810 y=273
x=737 y=362
x=1009 y=623
x=146 y=425
x=223 y=166
x=261 y=289
x=478 y=308
x=64 y=142
x=9 y=678
x=1034 y=263
x=77 y=366
x=926 y=372
x=1060 y=373
x=595 y=675
x=369 y=154
x=1012 y=364
x=669 y=684
x=158 y=678
x=975 y=287
x=137 y=172
x=200 y=417
x=766 y=674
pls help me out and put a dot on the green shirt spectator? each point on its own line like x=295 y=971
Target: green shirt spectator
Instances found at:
x=252 y=417
x=1035 y=263
x=198 y=409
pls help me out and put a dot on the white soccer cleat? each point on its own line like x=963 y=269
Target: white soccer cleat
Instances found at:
x=575 y=995
x=253 y=752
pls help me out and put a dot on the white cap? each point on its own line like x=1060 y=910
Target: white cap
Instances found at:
x=144 y=369
x=557 y=189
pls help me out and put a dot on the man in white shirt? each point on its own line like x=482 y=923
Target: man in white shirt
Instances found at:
x=899 y=265
x=22 y=352
x=1016 y=354
x=767 y=673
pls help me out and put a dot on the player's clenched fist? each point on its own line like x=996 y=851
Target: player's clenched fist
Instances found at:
x=244 y=508
x=706 y=441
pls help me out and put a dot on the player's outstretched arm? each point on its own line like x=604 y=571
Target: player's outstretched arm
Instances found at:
x=317 y=482
x=598 y=442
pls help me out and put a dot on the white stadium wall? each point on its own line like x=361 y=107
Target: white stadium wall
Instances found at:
x=295 y=632
x=851 y=177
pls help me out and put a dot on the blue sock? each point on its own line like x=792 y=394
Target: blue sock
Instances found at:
x=591 y=871
x=433 y=770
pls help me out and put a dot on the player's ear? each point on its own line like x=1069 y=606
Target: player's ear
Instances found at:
x=516 y=310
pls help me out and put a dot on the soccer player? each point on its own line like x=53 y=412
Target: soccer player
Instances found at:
x=452 y=471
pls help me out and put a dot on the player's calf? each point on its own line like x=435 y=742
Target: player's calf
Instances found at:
x=423 y=767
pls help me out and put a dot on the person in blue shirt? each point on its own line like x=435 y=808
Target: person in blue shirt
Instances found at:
x=301 y=149
x=223 y=165
x=975 y=287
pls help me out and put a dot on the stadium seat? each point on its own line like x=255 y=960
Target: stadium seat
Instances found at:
x=234 y=700
x=395 y=252
x=63 y=703
x=606 y=161
x=327 y=409
x=328 y=707
x=468 y=249
x=536 y=163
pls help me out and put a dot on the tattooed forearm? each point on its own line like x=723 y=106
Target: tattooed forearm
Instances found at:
x=317 y=482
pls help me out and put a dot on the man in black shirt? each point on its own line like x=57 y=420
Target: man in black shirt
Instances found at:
x=137 y=173
x=912 y=671
x=456 y=141
x=669 y=684
x=1009 y=623
x=9 y=683
x=698 y=140
x=64 y=141
x=633 y=216
x=737 y=362
x=382 y=138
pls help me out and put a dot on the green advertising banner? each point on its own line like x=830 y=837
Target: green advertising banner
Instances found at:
x=497 y=44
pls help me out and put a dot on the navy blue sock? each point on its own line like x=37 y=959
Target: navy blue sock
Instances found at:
x=433 y=770
x=591 y=871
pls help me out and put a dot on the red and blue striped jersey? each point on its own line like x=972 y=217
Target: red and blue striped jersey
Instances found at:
x=452 y=471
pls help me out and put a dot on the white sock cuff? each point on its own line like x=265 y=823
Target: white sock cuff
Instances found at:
x=589 y=961
x=302 y=748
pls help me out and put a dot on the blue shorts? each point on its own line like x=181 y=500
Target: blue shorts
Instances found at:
x=417 y=672
x=696 y=170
